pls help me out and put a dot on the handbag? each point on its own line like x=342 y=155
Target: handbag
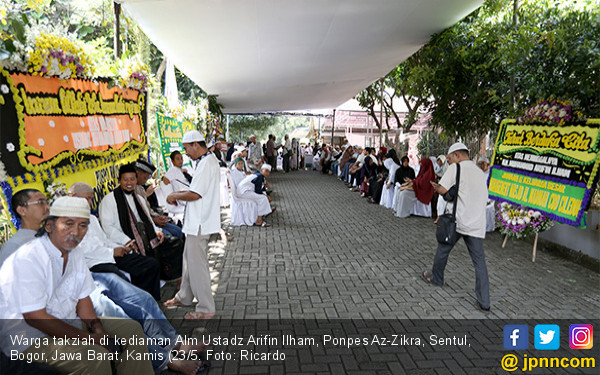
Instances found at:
x=446 y=225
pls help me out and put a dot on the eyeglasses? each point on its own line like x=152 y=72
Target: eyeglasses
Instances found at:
x=39 y=201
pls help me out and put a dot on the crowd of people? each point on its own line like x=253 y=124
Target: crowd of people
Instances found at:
x=427 y=190
x=70 y=272
x=95 y=280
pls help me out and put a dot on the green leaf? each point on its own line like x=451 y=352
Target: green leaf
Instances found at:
x=19 y=30
x=25 y=19
x=10 y=46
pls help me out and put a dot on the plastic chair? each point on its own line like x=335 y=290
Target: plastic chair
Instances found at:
x=224 y=196
x=243 y=211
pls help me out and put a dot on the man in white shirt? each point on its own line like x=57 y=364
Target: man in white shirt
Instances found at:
x=484 y=164
x=470 y=220
x=202 y=218
x=179 y=180
x=100 y=254
x=45 y=288
x=31 y=207
x=287 y=153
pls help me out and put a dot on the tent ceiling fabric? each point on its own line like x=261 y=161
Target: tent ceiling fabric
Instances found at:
x=279 y=55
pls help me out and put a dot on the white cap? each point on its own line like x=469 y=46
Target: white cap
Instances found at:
x=483 y=158
x=457 y=147
x=192 y=136
x=265 y=166
x=70 y=207
x=240 y=148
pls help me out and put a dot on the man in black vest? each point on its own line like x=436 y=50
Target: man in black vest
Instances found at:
x=125 y=217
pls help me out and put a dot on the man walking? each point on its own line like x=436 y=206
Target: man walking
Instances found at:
x=202 y=218
x=470 y=221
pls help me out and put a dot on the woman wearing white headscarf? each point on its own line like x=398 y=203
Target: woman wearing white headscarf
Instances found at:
x=389 y=189
x=442 y=166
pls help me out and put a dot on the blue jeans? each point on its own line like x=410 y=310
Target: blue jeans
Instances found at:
x=334 y=167
x=173 y=230
x=113 y=294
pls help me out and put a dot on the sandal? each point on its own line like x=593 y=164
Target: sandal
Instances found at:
x=173 y=302
x=426 y=276
x=263 y=224
x=196 y=315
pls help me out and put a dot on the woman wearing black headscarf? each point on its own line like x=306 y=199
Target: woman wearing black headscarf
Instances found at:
x=390 y=159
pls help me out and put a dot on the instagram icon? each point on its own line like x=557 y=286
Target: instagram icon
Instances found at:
x=581 y=336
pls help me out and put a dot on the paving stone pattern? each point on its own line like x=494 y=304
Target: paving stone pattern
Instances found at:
x=332 y=255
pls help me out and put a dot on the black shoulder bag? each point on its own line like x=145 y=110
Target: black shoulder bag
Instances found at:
x=446 y=225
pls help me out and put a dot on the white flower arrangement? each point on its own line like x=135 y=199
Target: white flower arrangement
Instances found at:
x=55 y=190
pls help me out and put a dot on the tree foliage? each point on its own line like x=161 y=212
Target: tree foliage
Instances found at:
x=462 y=76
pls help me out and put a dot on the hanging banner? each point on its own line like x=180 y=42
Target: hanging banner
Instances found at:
x=170 y=132
x=66 y=131
x=547 y=167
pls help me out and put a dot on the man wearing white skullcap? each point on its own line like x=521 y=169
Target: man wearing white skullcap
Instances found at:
x=202 y=218
x=45 y=288
x=470 y=201
x=484 y=164
x=254 y=187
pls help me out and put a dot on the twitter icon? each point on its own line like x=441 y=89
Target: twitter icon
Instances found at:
x=547 y=337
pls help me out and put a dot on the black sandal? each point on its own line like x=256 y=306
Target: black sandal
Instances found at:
x=426 y=276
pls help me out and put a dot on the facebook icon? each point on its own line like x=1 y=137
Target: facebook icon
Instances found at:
x=516 y=337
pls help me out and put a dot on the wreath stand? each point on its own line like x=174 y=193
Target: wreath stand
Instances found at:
x=534 y=245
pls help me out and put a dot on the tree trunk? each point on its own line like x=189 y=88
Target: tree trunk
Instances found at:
x=117 y=38
x=512 y=76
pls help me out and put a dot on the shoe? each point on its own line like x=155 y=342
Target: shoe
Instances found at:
x=482 y=308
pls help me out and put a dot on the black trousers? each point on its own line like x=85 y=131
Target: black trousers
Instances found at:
x=144 y=271
x=272 y=160
x=376 y=189
x=286 y=163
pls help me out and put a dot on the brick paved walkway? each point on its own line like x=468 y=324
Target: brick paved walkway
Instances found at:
x=330 y=254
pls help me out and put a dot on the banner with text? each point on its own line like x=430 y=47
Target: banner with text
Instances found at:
x=550 y=168
x=170 y=132
x=66 y=130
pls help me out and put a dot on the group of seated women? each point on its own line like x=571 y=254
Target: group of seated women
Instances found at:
x=384 y=179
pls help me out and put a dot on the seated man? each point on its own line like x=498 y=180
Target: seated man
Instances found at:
x=125 y=217
x=104 y=255
x=144 y=171
x=100 y=253
x=253 y=187
x=45 y=288
x=179 y=180
x=261 y=200
x=31 y=207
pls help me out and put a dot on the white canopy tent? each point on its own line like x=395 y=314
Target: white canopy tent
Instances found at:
x=280 y=55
